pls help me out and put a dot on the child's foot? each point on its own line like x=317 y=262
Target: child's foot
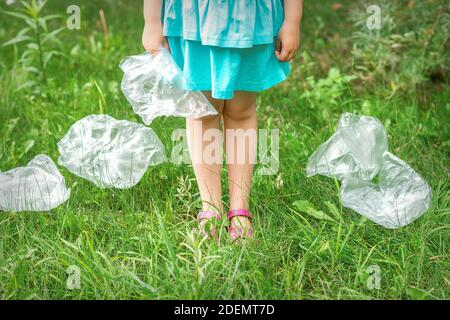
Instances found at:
x=206 y=220
x=240 y=224
x=241 y=228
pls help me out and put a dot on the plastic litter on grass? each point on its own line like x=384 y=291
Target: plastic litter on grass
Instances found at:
x=109 y=152
x=357 y=153
x=38 y=186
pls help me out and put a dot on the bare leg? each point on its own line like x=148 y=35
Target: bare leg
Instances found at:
x=206 y=173
x=240 y=124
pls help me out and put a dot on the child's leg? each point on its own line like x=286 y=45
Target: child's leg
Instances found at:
x=239 y=117
x=207 y=174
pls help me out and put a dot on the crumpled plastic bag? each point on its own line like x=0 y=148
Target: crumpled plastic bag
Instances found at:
x=399 y=197
x=356 y=154
x=39 y=186
x=110 y=152
x=356 y=148
x=155 y=86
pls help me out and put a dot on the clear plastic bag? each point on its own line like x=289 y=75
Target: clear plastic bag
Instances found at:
x=356 y=148
x=155 y=86
x=39 y=186
x=110 y=152
x=356 y=154
x=398 y=198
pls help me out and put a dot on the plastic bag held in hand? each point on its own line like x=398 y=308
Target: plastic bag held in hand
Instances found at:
x=37 y=187
x=110 y=152
x=155 y=86
x=356 y=154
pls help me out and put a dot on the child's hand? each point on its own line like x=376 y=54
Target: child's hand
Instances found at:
x=288 y=41
x=153 y=38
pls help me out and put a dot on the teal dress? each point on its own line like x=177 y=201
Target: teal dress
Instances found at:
x=225 y=46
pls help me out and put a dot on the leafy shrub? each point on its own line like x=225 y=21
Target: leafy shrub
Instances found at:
x=37 y=36
x=326 y=91
x=410 y=48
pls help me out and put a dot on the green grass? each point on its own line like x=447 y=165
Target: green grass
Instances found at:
x=138 y=244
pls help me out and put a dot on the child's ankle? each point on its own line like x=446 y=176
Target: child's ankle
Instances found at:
x=241 y=219
x=205 y=208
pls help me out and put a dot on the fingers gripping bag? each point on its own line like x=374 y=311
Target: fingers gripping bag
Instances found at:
x=155 y=86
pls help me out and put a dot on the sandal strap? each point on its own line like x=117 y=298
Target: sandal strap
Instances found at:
x=208 y=215
x=239 y=212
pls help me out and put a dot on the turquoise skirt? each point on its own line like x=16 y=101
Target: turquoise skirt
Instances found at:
x=223 y=70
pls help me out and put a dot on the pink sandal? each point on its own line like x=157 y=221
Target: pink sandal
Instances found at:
x=208 y=215
x=238 y=231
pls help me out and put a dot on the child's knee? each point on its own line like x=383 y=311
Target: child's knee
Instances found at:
x=242 y=107
x=218 y=104
x=241 y=114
